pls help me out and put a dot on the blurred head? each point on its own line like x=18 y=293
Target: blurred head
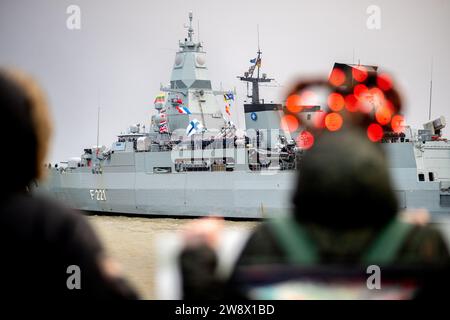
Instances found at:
x=344 y=179
x=26 y=127
x=344 y=182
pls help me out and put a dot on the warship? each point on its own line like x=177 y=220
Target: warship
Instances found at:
x=194 y=161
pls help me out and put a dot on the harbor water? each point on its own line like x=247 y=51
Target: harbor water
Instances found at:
x=131 y=242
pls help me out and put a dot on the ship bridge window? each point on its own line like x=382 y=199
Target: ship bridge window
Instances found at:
x=421 y=177
x=431 y=176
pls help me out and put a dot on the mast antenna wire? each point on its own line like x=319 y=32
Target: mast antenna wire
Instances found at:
x=258 y=59
x=257 y=30
x=431 y=88
x=190 y=30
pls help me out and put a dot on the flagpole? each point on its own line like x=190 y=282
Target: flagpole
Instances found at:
x=257 y=30
x=98 y=128
x=98 y=122
x=259 y=51
x=198 y=31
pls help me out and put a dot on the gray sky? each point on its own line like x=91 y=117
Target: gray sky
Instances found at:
x=125 y=49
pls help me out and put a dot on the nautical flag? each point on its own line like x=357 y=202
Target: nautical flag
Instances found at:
x=163 y=129
x=160 y=98
x=253 y=60
x=163 y=126
x=228 y=96
x=183 y=110
x=258 y=63
x=194 y=127
x=186 y=110
x=176 y=101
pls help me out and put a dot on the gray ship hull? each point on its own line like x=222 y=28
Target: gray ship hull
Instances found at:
x=238 y=195
x=128 y=184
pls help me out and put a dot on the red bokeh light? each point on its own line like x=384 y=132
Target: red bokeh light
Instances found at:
x=398 y=123
x=390 y=106
x=333 y=121
x=360 y=90
x=377 y=94
x=359 y=73
x=375 y=132
x=293 y=103
x=351 y=103
x=319 y=119
x=383 y=115
x=305 y=140
x=337 y=77
x=384 y=82
x=336 y=101
x=289 y=123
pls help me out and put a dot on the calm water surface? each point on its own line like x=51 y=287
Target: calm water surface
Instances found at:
x=130 y=241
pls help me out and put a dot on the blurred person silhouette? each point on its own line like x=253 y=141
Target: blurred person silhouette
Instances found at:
x=43 y=244
x=345 y=218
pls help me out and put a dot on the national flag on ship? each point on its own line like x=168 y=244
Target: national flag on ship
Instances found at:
x=183 y=110
x=194 y=127
x=160 y=98
x=176 y=101
x=163 y=129
x=256 y=62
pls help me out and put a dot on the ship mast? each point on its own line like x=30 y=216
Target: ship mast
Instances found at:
x=431 y=89
x=190 y=36
x=98 y=130
x=190 y=30
x=249 y=78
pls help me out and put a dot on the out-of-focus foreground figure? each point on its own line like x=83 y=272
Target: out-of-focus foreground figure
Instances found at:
x=345 y=226
x=47 y=251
